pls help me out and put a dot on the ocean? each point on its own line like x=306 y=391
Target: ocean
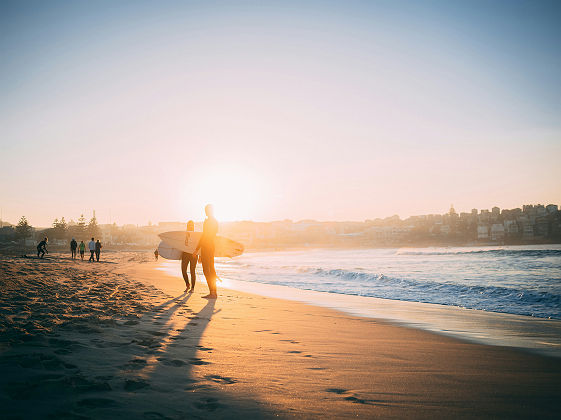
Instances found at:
x=521 y=280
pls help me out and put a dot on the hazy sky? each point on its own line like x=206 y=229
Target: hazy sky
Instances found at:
x=332 y=110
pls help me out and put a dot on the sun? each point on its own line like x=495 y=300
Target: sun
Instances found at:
x=234 y=194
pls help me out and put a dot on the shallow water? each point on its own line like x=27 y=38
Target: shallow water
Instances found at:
x=522 y=280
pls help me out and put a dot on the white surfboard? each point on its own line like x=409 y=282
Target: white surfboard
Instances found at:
x=188 y=241
x=168 y=252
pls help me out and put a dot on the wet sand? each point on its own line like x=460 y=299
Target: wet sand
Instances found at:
x=120 y=339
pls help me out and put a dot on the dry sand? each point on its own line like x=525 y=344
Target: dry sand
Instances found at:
x=119 y=339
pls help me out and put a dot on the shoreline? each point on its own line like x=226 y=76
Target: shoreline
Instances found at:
x=534 y=334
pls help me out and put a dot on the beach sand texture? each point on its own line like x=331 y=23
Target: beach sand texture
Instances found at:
x=119 y=339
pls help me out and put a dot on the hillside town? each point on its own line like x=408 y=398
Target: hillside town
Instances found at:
x=531 y=224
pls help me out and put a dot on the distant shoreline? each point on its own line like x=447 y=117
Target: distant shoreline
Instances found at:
x=19 y=249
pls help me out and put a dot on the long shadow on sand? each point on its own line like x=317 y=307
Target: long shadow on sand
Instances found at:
x=162 y=380
x=149 y=365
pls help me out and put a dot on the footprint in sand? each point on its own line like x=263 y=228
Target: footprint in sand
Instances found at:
x=221 y=379
x=357 y=400
x=195 y=387
x=171 y=362
x=135 y=364
x=208 y=404
x=350 y=398
x=197 y=361
x=135 y=384
x=204 y=348
x=337 y=390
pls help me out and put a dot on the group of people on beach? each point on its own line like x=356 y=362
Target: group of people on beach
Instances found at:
x=204 y=252
x=93 y=246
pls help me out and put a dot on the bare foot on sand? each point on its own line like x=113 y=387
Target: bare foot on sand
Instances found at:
x=210 y=297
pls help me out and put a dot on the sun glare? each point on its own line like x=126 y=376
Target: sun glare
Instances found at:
x=233 y=193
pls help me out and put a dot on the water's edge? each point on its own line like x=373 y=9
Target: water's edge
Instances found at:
x=538 y=335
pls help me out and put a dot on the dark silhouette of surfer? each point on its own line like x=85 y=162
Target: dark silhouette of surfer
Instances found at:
x=206 y=245
x=73 y=246
x=188 y=260
x=97 y=249
x=42 y=248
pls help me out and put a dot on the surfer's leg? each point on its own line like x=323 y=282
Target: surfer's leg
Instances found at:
x=184 y=263
x=213 y=276
x=210 y=273
x=207 y=259
x=193 y=266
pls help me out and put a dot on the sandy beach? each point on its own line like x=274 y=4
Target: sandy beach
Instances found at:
x=120 y=339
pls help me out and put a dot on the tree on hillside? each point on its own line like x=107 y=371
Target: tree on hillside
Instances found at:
x=78 y=230
x=59 y=229
x=81 y=224
x=93 y=228
x=23 y=229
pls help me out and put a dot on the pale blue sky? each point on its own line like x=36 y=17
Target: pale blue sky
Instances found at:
x=327 y=110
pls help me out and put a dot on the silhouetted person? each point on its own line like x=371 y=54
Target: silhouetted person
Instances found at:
x=156 y=253
x=206 y=245
x=91 y=247
x=82 y=249
x=97 y=249
x=189 y=260
x=73 y=246
x=42 y=248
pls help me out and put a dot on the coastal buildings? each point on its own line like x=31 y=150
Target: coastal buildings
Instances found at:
x=530 y=224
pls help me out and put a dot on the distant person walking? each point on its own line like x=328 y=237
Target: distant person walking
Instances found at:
x=156 y=253
x=97 y=250
x=73 y=246
x=91 y=247
x=206 y=245
x=42 y=248
x=82 y=249
x=189 y=260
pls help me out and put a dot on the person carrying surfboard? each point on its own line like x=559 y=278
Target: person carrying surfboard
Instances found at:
x=206 y=245
x=188 y=259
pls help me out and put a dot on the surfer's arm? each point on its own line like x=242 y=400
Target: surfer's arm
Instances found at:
x=201 y=241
